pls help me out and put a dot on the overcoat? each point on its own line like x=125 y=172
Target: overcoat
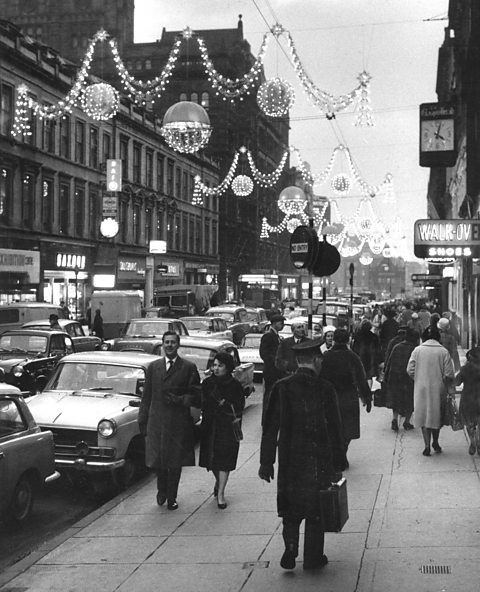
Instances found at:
x=285 y=359
x=398 y=384
x=170 y=437
x=450 y=344
x=344 y=369
x=218 y=446
x=388 y=329
x=268 y=350
x=303 y=412
x=470 y=400
x=367 y=346
x=430 y=366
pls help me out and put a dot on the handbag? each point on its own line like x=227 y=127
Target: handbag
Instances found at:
x=452 y=415
x=334 y=504
x=380 y=397
x=237 y=426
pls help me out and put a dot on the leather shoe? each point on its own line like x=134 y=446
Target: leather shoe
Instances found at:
x=315 y=564
x=288 y=559
x=161 y=499
x=222 y=506
x=436 y=446
x=172 y=505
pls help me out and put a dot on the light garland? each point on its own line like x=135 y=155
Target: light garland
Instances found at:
x=275 y=97
x=267 y=179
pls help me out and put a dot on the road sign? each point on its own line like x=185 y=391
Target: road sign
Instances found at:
x=114 y=174
x=426 y=278
x=303 y=246
x=109 y=206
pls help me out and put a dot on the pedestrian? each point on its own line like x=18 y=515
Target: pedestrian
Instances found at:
x=54 y=324
x=172 y=386
x=448 y=341
x=398 y=384
x=367 y=346
x=290 y=312
x=268 y=352
x=285 y=359
x=327 y=342
x=303 y=420
x=222 y=403
x=469 y=407
x=344 y=369
x=65 y=309
x=431 y=368
x=97 y=324
x=416 y=324
x=388 y=330
x=424 y=316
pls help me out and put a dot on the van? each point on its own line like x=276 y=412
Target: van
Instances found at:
x=116 y=307
x=14 y=315
x=182 y=300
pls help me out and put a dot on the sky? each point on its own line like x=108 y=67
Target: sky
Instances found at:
x=396 y=41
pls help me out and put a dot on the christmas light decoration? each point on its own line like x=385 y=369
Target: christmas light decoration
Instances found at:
x=292 y=200
x=21 y=122
x=275 y=97
x=109 y=228
x=267 y=179
x=341 y=184
x=366 y=258
x=242 y=185
x=100 y=101
x=186 y=127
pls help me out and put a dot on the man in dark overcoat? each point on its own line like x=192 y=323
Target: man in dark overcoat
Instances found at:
x=303 y=414
x=344 y=369
x=268 y=351
x=172 y=386
x=285 y=359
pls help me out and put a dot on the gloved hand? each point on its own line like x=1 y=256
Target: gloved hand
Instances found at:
x=173 y=400
x=266 y=472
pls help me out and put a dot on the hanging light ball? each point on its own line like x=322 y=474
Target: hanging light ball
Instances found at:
x=293 y=223
x=364 y=226
x=100 y=101
x=387 y=252
x=109 y=228
x=275 y=97
x=341 y=184
x=186 y=127
x=350 y=247
x=366 y=258
x=292 y=200
x=376 y=242
x=242 y=185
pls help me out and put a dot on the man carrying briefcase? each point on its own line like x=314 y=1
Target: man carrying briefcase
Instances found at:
x=303 y=413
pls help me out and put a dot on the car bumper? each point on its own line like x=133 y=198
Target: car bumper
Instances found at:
x=53 y=477
x=82 y=464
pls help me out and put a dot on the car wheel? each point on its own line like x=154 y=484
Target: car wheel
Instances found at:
x=134 y=466
x=22 y=500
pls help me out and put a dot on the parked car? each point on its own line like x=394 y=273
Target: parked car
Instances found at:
x=26 y=456
x=145 y=335
x=91 y=405
x=28 y=356
x=207 y=327
x=236 y=318
x=257 y=317
x=249 y=351
x=81 y=341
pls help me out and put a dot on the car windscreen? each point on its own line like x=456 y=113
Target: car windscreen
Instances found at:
x=227 y=316
x=252 y=316
x=202 y=357
x=23 y=343
x=252 y=340
x=198 y=324
x=83 y=376
x=147 y=328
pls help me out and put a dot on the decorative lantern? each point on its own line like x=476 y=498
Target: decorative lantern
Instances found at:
x=242 y=185
x=365 y=258
x=292 y=200
x=275 y=97
x=387 y=252
x=292 y=224
x=100 y=101
x=376 y=242
x=109 y=228
x=186 y=127
x=341 y=184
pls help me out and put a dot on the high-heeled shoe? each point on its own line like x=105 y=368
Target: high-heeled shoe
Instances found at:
x=221 y=506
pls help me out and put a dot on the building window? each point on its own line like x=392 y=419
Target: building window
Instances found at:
x=64 y=209
x=124 y=155
x=160 y=225
x=178 y=182
x=47 y=204
x=79 y=209
x=28 y=199
x=106 y=148
x=148 y=225
x=148 y=64
x=183 y=96
x=207 y=236
x=214 y=237
x=65 y=136
x=137 y=229
x=170 y=167
x=48 y=134
x=80 y=142
x=6 y=109
x=32 y=123
x=137 y=163
x=185 y=185
x=192 y=186
x=5 y=193
x=191 y=234
x=94 y=147
x=149 y=168
x=194 y=97
x=123 y=221
x=170 y=233
x=198 y=236
x=184 y=232
x=138 y=65
x=93 y=214
x=205 y=100
x=160 y=173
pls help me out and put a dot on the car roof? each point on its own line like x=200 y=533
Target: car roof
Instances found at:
x=46 y=322
x=197 y=318
x=135 y=358
x=225 y=308
x=149 y=320
x=192 y=341
x=31 y=305
x=39 y=332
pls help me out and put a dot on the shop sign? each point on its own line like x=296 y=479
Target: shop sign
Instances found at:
x=109 y=206
x=167 y=269
x=130 y=269
x=70 y=261
x=18 y=261
x=447 y=238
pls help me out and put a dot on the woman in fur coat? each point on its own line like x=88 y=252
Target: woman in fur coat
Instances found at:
x=469 y=409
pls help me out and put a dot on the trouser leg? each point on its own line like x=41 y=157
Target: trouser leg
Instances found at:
x=172 y=483
x=162 y=479
x=266 y=397
x=314 y=541
x=291 y=530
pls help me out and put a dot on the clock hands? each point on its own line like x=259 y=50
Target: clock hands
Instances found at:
x=437 y=133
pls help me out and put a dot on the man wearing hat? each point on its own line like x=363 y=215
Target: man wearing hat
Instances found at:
x=303 y=415
x=268 y=352
x=285 y=359
x=54 y=324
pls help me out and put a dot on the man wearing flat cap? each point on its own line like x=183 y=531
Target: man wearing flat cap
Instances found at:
x=303 y=420
x=268 y=351
x=285 y=359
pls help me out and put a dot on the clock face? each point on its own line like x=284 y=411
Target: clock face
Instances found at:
x=437 y=135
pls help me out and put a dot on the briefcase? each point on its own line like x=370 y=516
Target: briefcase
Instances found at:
x=335 y=506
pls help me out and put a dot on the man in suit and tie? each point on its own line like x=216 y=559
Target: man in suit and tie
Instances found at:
x=285 y=359
x=172 y=386
x=268 y=352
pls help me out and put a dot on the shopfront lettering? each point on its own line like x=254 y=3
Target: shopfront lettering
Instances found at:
x=438 y=232
x=127 y=265
x=70 y=261
x=14 y=260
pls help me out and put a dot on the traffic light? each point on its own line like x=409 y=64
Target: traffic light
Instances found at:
x=114 y=174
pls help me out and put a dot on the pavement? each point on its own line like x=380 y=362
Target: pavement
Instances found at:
x=414 y=526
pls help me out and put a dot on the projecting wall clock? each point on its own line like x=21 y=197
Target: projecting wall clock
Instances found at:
x=437 y=135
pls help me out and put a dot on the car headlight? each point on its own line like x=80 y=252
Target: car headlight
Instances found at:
x=18 y=371
x=105 y=346
x=106 y=428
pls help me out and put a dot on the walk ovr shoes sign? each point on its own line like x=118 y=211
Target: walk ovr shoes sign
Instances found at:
x=447 y=238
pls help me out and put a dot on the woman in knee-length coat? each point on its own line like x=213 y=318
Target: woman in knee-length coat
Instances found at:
x=469 y=408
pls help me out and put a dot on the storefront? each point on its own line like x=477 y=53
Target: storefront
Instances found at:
x=131 y=272
x=199 y=272
x=19 y=275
